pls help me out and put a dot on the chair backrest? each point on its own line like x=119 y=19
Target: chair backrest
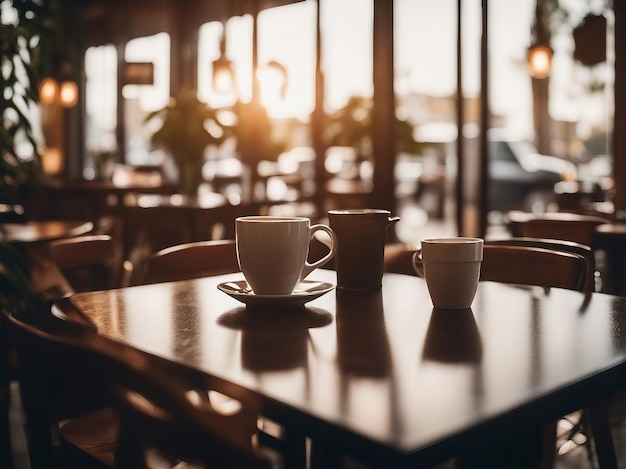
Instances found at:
x=189 y=260
x=398 y=258
x=557 y=245
x=525 y=265
x=562 y=225
x=88 y=262
x=172 y=411
x=522 y=265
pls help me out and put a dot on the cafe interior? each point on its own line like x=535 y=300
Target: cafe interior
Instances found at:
x=135 y=133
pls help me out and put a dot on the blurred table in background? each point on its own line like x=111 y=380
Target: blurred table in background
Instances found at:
x=579 y=196
x=63 y=199
x=151 y=222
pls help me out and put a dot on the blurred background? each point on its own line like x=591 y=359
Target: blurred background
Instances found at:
x=453 y=112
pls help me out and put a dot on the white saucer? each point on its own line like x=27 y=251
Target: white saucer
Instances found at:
x=306 y=291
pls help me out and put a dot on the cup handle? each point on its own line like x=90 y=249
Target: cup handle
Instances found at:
x=418 y=265
x=308 y=268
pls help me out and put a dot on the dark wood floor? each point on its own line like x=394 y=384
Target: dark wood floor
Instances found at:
x=578 y=457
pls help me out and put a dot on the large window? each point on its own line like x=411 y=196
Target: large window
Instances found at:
x=101 y=103
x=425 y=71
x=138 y=100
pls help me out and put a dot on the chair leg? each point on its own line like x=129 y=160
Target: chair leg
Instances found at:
x=599 y=416
x=290 y=443
x=324 y=457
x=549 y=445
x=295 y=449
x=6 y=452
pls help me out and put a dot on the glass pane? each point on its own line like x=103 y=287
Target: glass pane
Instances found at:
x=139 y=100
x=101 y=106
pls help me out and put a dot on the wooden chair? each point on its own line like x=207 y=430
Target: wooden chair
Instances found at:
x=199 y=259
x=562 y=225
x=522 y=261
x=60 y=384
x=557 y=245
x=186 y=261
x=398 y=258
x=88 y=262
x=579 y=228
x=525 y=265
x=172 y=413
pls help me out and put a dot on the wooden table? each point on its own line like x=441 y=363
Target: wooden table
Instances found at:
x=154 y=221
x=383 y=376
x=61 y=198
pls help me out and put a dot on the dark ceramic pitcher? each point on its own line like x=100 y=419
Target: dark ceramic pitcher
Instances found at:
x=360 y=237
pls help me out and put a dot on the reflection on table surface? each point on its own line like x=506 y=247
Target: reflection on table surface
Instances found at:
x=384 y=367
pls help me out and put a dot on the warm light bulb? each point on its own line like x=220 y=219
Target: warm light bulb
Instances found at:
x=223 y=82
x=52 y=160
x=223 y=76
x=68 y=95
x=48 y=89
x=539 y=61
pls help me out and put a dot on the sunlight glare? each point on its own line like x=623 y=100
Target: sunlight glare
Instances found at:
x=273 y=83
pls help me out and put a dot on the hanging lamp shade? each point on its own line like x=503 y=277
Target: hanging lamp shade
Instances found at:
x=539 y=61
x=48 y=90
x=68 y=93
x=223 y=76
x=540 y=53
x=223 y=73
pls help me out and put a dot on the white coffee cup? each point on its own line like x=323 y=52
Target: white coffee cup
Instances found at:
x=451 y=267
x=272 y=252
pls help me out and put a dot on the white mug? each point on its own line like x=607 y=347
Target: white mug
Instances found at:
x=451 y=267
x=272 y=252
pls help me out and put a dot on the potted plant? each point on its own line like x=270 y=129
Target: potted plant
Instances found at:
x=351 y=126
x=188 y=127
x=23 y=44
x=253 y=131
